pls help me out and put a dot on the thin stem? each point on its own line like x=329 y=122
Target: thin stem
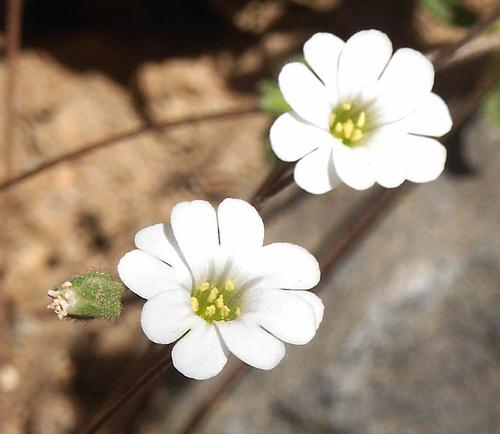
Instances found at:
x=268 y=185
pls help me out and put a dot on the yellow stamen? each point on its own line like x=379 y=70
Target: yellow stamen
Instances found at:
x=219 y=303
x=213 y=295
x=195 y=304
x=332 y=118
x=209 y=311
x=346 y=106
x=224 y=311
x=229 y=286
x=348 y=128
x=357 y=134
x=361 y=120
x=237 y=311
x=338 y=128
x=204 y=286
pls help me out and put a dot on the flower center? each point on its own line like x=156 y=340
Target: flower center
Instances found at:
x=348 y=124
x=216 y=302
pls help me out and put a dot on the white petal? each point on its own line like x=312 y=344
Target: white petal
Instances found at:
x=147 y=276
x=322 y=53
x=159 y=241
x=200 y=354
x=427 y=158
x=282 y=313
x=251 y=344
x=305 y=93
x=353 y=166
x=285 y=265
x=195 y=229
x=240 y=225
x=292 y=137
x=364 y=57
x=389 y=158
x=167 y=316
x=404 y=85
x=431 y=118
x=315 y=302
x=315 y=173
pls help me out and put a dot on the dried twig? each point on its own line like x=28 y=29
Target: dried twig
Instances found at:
x=119 y=137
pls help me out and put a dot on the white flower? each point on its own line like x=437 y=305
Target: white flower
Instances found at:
x=209 y=280
x=370 y=117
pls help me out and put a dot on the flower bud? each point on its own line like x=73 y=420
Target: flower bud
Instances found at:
x=87 y=296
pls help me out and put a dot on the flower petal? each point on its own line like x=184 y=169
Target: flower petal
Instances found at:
x=389 y=157
x=240 y=225
x=404 y=85
x=251 y=344
x=353 y=166
x=305 y=93
x=292 y=137
x=427 y=158
x=364 y=57
x=147 y=276
x=315 y=302
x=167 y=316
x=195 y=228
x=431 y=118
x=159 y=241
x=200 y=354
x=282 y=313
x=285 y=265
x=315 y=173
x=322 y=53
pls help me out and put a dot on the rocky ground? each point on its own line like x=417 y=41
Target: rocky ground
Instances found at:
x=410 y=341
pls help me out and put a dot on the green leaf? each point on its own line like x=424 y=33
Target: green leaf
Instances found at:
x=452 y=12
x=271 y=98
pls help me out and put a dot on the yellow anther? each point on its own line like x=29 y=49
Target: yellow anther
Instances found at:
x=332 y=118
x=224 y=311
x=229 y=286
x=338 y=128
x=195 y=304
x=346 y=106
x=361 y=120
x=348 y=128
x=209 y=311
x=237 y=311
x=357 y=134
x=204 y=286
x=219 y=303
x=213 y=295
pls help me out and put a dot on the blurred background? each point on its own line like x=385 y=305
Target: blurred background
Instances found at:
x=410 y=342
